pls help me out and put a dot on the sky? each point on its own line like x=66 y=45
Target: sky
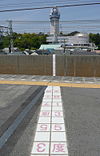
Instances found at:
x=67 y=14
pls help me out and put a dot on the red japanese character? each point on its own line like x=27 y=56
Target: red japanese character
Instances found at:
x=45 y=113
x=58 y=114
x=57 y=127
x=41 y=147
x=58 y=148
x=43 y=127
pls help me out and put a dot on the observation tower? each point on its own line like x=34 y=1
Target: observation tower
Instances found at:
x=54 y=23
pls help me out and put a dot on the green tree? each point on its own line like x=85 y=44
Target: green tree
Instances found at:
x=95 y=38
x=29 y=41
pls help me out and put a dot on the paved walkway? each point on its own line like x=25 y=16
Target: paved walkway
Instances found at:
x=81 y=82
x=63 y=122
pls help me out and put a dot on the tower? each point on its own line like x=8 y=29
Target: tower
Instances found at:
x=54 y=23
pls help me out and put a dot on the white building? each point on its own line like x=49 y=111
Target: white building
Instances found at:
x=79 y=38
x=78 y=41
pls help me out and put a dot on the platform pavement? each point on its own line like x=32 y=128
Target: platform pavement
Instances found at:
x=81 y=108
x=83 y=82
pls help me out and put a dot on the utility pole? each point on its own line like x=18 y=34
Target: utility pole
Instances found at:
x=64 y=46
x=10 y=33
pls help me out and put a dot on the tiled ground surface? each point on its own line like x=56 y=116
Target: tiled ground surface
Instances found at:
x=50 y=78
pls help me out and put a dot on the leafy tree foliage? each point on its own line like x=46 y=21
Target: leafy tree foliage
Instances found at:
x=73 y=33
x=25 y=41
x=95 y=38
x=33 y=41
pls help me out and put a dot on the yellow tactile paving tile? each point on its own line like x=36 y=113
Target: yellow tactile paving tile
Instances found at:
x=81 y=85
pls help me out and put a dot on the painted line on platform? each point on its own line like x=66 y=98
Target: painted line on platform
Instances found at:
x=2 y=78
x=50 y=138
x=12 y=79
x=48 y=83
x=54 y=65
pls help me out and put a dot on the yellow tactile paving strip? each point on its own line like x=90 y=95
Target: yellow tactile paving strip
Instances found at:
x=80 y=85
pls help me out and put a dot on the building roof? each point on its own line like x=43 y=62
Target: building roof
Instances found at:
x=81 y=35
x=49 y=46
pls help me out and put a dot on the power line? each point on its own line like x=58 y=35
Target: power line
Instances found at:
x=48 y=7
x=43 y=3
x=87 y=21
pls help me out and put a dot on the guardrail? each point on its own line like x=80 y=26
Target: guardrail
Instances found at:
x=87 y=66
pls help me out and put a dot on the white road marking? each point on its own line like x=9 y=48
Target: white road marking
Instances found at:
x=50 y=138
x=54 y=65
x=23 y=79
x=55 y=81
x=68 y=81
x=12 y=79
x=1 y=78
x=33 y=80
x=44 y=80
x=77 y=81
x=90 y=82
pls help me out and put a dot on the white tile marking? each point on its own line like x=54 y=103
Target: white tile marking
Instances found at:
x=57 y=108
x=44 y=120
x=43 y=127
x=23 y=79
x=46 y=104
x=45 y=113
x=46 y=108
x=90 y=82
x=59 y=148
x=12 y=79
x=58 y=136
x=57 y=114
x=42 y=136
x=46 y=155
x=45 y=80
x=67 y=81
x=77 y=81
x=2 y=78
x=50 y=137
x=40 y=148
x=33 y=80
x=57 y=104
x=55 y=155
x=58 y=127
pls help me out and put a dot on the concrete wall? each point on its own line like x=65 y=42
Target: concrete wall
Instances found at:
x=32 y=65
x=87 y=66
x=42 y=65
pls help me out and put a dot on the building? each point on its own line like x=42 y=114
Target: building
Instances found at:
x=54 y=24
x=79 y=41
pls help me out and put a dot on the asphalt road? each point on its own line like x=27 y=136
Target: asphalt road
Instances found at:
x=81 y=114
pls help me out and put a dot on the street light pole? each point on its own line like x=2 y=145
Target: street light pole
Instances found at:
x=10 y=32
x=64 y=46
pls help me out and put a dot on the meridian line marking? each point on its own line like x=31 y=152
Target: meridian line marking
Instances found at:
x=50 y=139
